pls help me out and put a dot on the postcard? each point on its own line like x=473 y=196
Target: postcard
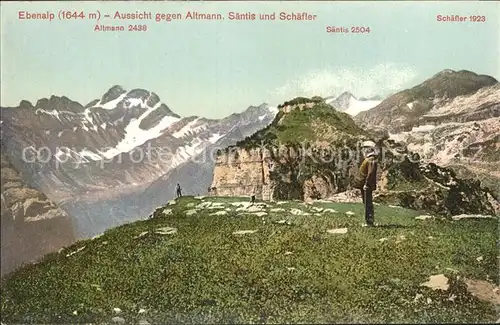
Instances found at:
x=237 y=162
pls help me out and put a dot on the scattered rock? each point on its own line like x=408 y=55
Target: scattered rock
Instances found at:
x=299 y=212
x=281 y=202
x=424 y=217
x=350 y=213
x=418 y=296
x=281 y=221
x=278 y=210
x=437 y=282
x=479 y=259
x=227 y=209
x=75 y=313
x=244 y=232
x=172 y=202
x=191 y=212
x=329 y=211
x=204 y=205
x=472 y=216
x=260 y=214
x=430 y=237
x=142 y=234
x=117 y=310
x=219 y=213
x=143 y=322
x=142 y=311
x=383 y=239
x=288 y=253
x=290 y=268
x=318 y=209
x=167 y=212
x=166 y=231
x=199 y=197
x=337 y=231
x=429 y=300
x=452 y=297
x=118 y=320
x=216 y=205
x=78 y=250
x=395 y=206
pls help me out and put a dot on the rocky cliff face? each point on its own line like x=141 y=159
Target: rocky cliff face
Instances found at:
x=306 y=152
x=32 y=226
x=242 y=172
x=428 y=187
x=420 y=104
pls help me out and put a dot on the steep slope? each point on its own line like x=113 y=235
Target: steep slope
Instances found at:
x=311 y=151
x=222 y=260
x=463 y=134
x=406 y=109
x=299 y=155
x=32 y=226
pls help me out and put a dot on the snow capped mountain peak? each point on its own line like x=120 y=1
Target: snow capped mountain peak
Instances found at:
x=349 y=104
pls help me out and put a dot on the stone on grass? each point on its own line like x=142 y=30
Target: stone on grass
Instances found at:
x=142 y=234
x=472 y=216
x=167 y=212
x=244 y=232
x=383 y=239
x=278 y=210
x=219 y=213
x=117 y=310
x=142 y=311
x=191 y=212
x=77 y=251
x=143 y=322
x=424 y=217
x=437 y=282
x=479 y=259
x=260 y=214
x=350 y=213
x=337 y=231
x=204 y=205
x=118 y=320
x=298 y=212
x=172 y=202
x=199 y=197
x=329 y=211
x=166 y=231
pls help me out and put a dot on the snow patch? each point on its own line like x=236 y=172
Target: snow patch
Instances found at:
x=136 y=136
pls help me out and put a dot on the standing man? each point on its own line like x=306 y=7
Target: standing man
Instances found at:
x=179 y=191
x=367 y=183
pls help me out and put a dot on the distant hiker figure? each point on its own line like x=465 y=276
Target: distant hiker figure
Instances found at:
x=252 y=197
x=367 y=183
x=179 y=191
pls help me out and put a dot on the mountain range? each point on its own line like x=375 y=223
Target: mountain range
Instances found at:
x=117 y=158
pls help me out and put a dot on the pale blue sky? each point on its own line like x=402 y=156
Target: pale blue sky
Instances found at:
x=214 y=68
